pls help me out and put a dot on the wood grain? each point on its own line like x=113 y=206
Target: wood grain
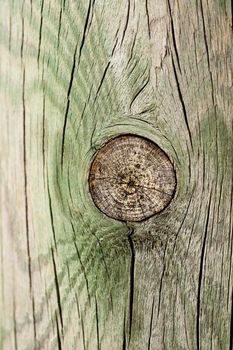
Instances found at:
x=73 y=75
x=131 y=178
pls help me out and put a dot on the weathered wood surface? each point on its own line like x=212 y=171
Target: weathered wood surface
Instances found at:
x=73 y=74
x=131 y=178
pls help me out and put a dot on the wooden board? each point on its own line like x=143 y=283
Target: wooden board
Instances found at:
x=74 y=74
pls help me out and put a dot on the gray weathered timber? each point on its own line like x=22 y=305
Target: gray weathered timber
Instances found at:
x=74 y=73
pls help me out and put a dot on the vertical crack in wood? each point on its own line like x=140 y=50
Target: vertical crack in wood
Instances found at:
x=22 y=39
x=173 y=35
x=182 y=222
x=40 y=30
x=26 y=204
x=198 y=317
x=58 y=333
x=59 y=27
x=34 y=321
x=161 y=279
x=51 y=214
x=231 y=14
x=83 y=334
x=72 y=77
x=151 y=324
x=57 y=290
x=148 y=19
x=78 y=307
x=207 y=51
x=230 y=245
x=43 y=131
x=101 y=81
x=14 y=322
x=126 y=23
x=182 y=103
x=26 y=183
x=140 y=90
x=124 y=334
x=131 y=282
x=231 y=323
x=97 y=324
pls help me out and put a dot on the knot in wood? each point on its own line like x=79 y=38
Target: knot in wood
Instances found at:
x=131 y=178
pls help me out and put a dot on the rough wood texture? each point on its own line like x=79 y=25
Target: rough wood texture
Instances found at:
x=131 y=178
x=73 y=74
